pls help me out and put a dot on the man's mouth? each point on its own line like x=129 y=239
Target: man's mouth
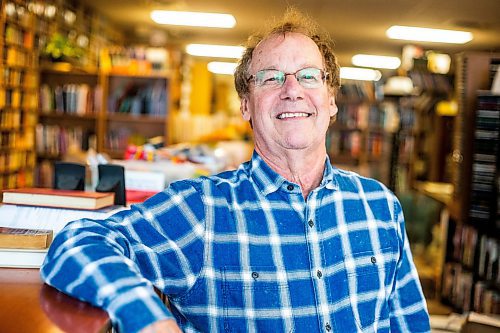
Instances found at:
x=286 y=115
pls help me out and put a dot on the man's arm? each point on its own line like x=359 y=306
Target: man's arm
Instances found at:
x=407 y=302
x=113 y=263
x=163 y=326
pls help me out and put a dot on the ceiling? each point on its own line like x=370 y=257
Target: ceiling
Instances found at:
x=356 y=26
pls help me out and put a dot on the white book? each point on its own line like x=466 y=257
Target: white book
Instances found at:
x=33 y=217
x=22 y=258
x=81 y=96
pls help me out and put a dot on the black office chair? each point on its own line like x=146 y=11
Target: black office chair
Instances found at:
x=69 y=176
x=112 y=179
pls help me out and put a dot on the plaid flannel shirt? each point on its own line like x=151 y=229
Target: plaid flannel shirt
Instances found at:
x=242 y=251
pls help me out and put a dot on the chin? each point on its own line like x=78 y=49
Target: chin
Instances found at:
x=296 y=145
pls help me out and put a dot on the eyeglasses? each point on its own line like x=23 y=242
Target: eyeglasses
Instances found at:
x=309 y=78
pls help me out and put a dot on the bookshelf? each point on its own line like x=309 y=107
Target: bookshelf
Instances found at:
x=360 y=137
x=471 y=279
x=18 y=94
x=433 y=144
x=136 y=109
x=68 y=116
x=82 y=109
x=75 y=88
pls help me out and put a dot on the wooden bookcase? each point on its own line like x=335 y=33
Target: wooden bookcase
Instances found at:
x=18 y=94
x=83 y=109
x=75 y=91
x=135 y=109
x=69 y=113
x=471 y=278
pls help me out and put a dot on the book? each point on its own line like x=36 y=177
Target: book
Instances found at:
x=33 y=217
x=49 y=218
x=22 y=258
x=49 y=197
x=22 y=238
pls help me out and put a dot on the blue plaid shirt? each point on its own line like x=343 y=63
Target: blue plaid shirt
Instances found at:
x=242 y=251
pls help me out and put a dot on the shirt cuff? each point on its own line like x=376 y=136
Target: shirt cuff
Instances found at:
x=134 y=309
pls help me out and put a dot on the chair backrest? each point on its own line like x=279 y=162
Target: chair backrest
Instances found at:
x=69 y=176
x=112 y=179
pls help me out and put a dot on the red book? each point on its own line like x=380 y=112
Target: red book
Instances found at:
x=49 y=197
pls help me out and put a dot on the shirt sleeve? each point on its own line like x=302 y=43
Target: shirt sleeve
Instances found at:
x=114 y=263
x=407 y=302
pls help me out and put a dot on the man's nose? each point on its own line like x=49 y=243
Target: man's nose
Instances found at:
x=291 y=88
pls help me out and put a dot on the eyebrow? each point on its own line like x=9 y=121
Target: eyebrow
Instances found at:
x=302 y=67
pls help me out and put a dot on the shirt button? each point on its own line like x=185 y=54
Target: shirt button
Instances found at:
x=319 y=274
x=328 y=327
x=255 y=275
x=311 y=223
x=373 y=260
x=289 y=187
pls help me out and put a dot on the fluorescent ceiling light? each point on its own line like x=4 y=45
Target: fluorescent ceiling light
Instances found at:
x=376 y=61
x=429 y=35
x=193 y=19
x=218 y=51
x=363 y=74
x=219 y=67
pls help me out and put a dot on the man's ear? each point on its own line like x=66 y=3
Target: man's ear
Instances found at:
x=332 y=106
x=245 y=112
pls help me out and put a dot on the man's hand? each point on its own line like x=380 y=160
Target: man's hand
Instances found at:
x=162 y=326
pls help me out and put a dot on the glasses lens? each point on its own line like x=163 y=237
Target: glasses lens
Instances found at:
x=269 y=77
x=310 y=77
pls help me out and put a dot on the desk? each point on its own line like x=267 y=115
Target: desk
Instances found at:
x=29 y=305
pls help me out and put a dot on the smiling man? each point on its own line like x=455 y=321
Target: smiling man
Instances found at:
x=285 y=243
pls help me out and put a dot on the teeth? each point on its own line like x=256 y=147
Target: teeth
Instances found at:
x=292 y=115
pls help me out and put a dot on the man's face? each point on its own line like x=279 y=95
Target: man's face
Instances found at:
x=291 y=116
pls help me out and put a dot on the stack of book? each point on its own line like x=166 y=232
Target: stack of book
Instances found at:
x=21 y=247
x=485 y=160
x=30 y=217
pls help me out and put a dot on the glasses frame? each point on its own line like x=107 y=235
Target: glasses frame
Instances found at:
x=324 y=77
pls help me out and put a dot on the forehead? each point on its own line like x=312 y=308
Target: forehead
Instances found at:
x=290 y=51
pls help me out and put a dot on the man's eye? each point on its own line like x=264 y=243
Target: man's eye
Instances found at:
x=271 y=79
x=308 y=77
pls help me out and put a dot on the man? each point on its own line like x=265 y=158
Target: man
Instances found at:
x=286 y=243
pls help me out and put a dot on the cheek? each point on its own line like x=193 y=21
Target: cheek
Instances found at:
x=262 y=106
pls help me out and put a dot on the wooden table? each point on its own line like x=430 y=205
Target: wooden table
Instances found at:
x=29 y=305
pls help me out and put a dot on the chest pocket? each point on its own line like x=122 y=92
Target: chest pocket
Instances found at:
x=369 y=277
x=253 y=298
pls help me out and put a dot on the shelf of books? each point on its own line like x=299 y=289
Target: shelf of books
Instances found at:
x=70 y=103
x=359 y=139
x=18 y=94
x=471 y=279
x=136 y=110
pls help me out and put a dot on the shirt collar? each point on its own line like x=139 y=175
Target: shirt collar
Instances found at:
x=268 y=181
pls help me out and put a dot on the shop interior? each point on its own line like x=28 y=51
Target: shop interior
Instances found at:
x=91 y=82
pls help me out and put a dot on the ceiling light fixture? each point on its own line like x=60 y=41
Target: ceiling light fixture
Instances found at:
x=376 y=61
x=429 y=35
x=220 y=67
x=193 y=19
x=217 y=51
x=363 y=74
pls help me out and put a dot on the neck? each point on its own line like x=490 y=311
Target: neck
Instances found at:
x=298 y=166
